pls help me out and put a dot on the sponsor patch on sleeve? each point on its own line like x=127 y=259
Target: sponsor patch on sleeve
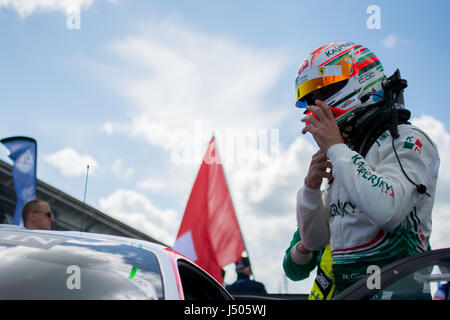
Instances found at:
x=413 y=144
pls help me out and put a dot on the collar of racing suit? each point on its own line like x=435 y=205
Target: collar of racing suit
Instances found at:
x=370 y=125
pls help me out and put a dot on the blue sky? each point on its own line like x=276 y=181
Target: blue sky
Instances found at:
x=116 y=93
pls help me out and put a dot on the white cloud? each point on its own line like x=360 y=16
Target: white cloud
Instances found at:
x=71 y=163
x=270 y=189
x=436 y=130
x=441 y=225
x=174 y=77
x=389 y=41
x=27 y=7
x=107 y=128
x=441 y=212
x=152 y=185
x=138 y=211
x=120 y=171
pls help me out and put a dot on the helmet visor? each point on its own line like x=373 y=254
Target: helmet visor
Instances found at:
x=315 y=79
x=322 y=93
x=313 y=85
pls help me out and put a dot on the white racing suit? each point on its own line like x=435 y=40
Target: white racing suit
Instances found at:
x=371 y=214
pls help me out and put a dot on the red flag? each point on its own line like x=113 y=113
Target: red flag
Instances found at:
x=209 y=233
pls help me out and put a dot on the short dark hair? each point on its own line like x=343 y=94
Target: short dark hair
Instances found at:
x=32 y=205
x=242 y=264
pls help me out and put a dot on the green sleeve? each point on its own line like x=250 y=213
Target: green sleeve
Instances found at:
x=294 y=271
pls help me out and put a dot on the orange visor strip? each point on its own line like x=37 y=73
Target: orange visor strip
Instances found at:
x=311 y=85
x=316 y=78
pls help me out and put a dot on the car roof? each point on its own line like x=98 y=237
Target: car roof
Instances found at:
x=131 y=250
x=154 y=247
x=166 y=255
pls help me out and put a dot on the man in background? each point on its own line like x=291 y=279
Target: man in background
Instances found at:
x=243 y=284
x=36 y=214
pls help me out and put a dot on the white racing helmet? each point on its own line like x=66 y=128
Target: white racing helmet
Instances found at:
x=340 y=74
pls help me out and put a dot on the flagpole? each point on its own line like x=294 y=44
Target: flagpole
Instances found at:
x=35 y=160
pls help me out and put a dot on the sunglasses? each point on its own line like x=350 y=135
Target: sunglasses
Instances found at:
x=49 y=214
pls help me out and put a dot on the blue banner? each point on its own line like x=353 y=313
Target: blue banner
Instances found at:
x=23 y=152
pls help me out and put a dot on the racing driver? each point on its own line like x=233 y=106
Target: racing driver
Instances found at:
x=379 y=171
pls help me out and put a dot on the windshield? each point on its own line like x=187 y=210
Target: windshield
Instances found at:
x=48 y=266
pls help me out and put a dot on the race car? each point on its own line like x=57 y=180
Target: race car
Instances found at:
x=60 y=265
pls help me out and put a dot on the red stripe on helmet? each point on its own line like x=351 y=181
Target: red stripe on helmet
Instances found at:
x=316 y=53
x=365 y=63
